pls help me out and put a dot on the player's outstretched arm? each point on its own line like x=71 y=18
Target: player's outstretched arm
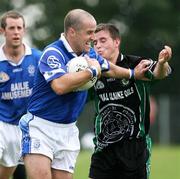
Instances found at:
x=162 y=68
x=137 y=73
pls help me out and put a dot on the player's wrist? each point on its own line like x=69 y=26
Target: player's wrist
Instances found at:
x=131 y=73
x=93 y=70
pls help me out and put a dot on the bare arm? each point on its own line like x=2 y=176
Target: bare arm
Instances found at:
x=119 y=72
x=162 y=66
x=71 y=81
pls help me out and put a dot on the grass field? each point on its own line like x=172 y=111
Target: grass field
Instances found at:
x=165 y=163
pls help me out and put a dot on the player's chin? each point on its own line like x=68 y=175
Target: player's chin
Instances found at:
x=87 y=47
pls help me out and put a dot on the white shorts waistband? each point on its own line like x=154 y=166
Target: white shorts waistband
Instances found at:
x=44 y=121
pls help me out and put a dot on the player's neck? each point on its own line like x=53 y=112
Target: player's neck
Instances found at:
x=114 y=57
x=14 y=54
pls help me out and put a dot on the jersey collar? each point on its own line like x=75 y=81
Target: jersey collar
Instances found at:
x=28 y=51
x=67 y=46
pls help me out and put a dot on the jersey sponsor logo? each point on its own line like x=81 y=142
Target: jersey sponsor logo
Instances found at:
x=117 y=95
x=31 y=70
x=3 y=77
x=18 y=90
x=53 y=62
x=117 y=123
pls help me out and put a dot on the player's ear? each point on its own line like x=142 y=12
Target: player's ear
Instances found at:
x=117 y=42
x=72 y=31
x=1 y=30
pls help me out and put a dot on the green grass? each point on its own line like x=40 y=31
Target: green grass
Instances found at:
x=165 y=163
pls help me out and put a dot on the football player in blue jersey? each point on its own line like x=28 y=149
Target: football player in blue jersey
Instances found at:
x=18 y=64
x=122 y=142
x=50 y=143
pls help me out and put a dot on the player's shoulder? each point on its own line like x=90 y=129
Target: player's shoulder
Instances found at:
x=53 y=48
x=56 y=45
x=133 y=58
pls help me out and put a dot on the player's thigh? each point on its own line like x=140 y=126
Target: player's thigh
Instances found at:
x=6 y=172
x=60 y=174
x=37 y=166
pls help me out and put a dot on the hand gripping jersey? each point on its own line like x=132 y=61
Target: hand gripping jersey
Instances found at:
x=44 y=102
x=122 y=106
x=16 y=83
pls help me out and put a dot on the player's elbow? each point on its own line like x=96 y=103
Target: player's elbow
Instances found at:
x=59 y=89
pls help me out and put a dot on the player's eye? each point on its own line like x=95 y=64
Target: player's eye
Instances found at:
x=103 y=40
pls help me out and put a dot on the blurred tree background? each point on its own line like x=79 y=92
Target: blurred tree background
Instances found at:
x=145 y=26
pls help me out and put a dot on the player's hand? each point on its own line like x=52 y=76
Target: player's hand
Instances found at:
x=93 y=62
x=165 y=55
x=140 y=69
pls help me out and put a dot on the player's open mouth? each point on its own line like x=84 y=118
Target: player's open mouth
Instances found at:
x=16 y=39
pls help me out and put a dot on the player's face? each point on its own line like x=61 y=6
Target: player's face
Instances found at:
x=85 y=36
x=14 y=32
x=105 y=45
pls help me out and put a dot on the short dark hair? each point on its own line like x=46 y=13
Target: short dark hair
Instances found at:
x=11 y=14
x=111 y=28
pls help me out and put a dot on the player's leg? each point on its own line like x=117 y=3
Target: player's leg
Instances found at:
x=6 y=172
x=60 y=174
x=37 y=166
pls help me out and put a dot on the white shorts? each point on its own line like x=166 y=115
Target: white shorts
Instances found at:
x=10 y=137
x=59 y=142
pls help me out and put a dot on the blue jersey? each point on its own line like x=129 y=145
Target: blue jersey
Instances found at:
x=44 y=102
x=16 y=82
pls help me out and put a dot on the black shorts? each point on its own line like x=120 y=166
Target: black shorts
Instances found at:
x=123 y=160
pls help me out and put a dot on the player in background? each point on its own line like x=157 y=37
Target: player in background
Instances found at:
x=122 y=142
x=18 y=64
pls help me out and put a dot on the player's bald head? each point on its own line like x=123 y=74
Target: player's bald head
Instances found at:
x=75 y=18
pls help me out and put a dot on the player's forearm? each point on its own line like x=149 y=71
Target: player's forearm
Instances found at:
x=117 y=72
x=161 y=70
x=70 y=82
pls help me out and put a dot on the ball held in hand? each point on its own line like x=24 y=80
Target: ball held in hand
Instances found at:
x=78 y=64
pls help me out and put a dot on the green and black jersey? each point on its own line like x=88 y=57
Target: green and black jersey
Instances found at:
x=122 y=106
